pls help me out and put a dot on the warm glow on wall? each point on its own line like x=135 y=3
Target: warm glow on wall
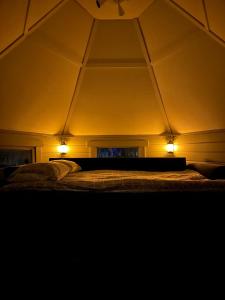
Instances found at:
x=63 y=149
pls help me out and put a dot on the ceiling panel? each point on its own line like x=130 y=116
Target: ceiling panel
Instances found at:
x=216 y=15
x=115 y=41
x=164 y=29
x=192 y=85
x=39 y=9
x=194 y=8
x=12 y=20
x=36 y=89
x=116 y=102
x=66 y=32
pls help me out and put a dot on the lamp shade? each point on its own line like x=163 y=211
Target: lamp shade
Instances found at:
x=63 y=149
x=170 y=147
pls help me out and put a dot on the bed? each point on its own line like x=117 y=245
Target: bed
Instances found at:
x=127 y=178
x=107 y=205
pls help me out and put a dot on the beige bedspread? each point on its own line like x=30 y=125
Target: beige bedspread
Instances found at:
x=125 y=181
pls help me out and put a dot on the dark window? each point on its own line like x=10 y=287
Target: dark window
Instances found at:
x=117 y=152
x=14 y=157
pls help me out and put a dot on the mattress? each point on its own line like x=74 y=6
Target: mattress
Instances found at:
x=115 y=181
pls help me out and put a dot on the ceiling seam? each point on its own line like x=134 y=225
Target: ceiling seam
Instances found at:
x=80 y=76
x=20 y=132
x=186 y=12
x=152 y=73
x=56 y=49
x=195 y=21
x=173 y=48
x=23 y=36
x=84 y=8
x=206 y=15
x=69 y=112
x=8 y=48
x=25 y=28
x=116 y=65
x=58 y=5
x=212 y=131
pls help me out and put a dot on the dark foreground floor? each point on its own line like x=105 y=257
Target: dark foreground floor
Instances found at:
x=159 y=232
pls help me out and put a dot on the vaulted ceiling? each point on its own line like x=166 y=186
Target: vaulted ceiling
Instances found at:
x=68 y=66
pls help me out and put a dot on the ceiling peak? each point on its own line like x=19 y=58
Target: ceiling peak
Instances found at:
x=115 y=9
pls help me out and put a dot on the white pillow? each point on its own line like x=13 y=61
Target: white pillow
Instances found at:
x=74 y=167
x=39 y=171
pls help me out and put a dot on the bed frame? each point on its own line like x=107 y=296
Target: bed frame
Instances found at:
x=141 y=163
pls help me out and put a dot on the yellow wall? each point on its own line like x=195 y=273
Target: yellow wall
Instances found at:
x=83 y=146
x=202 y=146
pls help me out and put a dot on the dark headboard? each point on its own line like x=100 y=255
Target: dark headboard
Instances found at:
x=144 y=164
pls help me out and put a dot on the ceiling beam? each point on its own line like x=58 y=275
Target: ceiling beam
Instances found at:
x=152 y=74
x=115 y=64
x=79 y=79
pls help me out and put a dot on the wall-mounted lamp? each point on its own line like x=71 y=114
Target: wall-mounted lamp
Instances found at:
x=170 y=147
x=63 y=147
